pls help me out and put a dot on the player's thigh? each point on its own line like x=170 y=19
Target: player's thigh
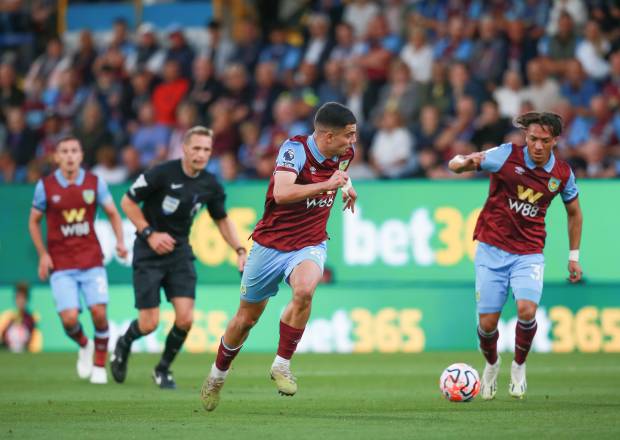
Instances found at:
x=180 y=279
x=65 y=290
x=305 y=268
x=492 y=280
x=93 y=283
x=262 y=274
x=527 y=276
x=147 y=280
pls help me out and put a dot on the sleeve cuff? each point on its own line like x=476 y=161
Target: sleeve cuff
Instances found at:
x=291 y=170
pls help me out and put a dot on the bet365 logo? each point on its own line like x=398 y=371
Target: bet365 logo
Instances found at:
x=529 y=208
x=75 y=222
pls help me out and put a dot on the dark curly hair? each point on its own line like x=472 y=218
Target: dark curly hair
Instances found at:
x=553 y=122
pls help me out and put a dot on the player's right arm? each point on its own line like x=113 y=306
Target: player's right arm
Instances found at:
x=290 y=161
x=145 y=185
x=490 y=160
x=39 y=204
x=285 y=190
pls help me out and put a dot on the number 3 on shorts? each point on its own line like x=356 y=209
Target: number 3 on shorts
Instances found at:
x=538 y=271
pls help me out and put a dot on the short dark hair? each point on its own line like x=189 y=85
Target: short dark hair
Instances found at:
x=23 y=288
x=334 y=115
x=66 y=138
x=552 y=121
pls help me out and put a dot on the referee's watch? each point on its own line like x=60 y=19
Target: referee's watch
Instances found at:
x=146 y=233
x=240 y=250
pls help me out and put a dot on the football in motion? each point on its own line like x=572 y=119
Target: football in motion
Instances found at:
x=459 y=383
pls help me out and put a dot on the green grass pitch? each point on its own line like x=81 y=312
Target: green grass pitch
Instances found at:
x=340 y=397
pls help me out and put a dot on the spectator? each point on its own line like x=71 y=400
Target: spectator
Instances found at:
x=597 y=124
x=120 y=38
x=205 y=88
x=391 y=152
x=461 y=127
x=357 y=96
x=83 y=59
x=18 y=330
x=560 y=47
x=543 y=92
x=331 y=89
x=10 y=94
x=266 y=92
x=611 y=87
x=168 y=94
x=359 y=13
x=248 y=45
x=592 y=52
x=217 y=48
x=490 y=126
x=279 y=51
x=92 y=132
x=598 y=164
x=428 y=130
x=21 y=141
x=418 y=55
x=107 y=167
x=318 y=45
x=345 y=47
x=237 y=92
x=462 y=84
x=577 y=87
x=186 y=119
x=48 y=66
x=180 y=51
x=521 y=48
x=400 y=94
x=149 y=54
x=575 y=8
x=454 y=46
x=509 y=95
x=437 y=92
x=489 y=55
x=151 y=138
x=223 y=162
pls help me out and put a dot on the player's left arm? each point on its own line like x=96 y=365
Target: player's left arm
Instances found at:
x=575 y=222
x=105 y=200
x=569 y=195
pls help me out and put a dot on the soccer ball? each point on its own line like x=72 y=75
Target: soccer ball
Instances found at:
x=459 y=383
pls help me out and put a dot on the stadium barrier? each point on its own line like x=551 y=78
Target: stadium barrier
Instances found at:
x=361 y=319
x=405 y=231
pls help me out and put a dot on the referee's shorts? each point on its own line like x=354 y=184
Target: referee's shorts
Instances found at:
x=177 y=277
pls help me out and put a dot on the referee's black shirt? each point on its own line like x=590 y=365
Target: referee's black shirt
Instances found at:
x=170 y=199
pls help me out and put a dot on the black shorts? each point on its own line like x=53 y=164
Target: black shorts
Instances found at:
x=177 y=277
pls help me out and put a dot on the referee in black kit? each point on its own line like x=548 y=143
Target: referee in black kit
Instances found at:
x=171 y=194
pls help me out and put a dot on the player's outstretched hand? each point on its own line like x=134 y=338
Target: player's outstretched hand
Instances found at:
x=121 y=250
x=161 y=242
x=337 y=180
x=574 y=271
x=45 y=266
x=349 y=198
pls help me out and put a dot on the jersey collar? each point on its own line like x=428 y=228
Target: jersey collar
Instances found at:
x=63 y=182
x=314 y=149
x=531 y=165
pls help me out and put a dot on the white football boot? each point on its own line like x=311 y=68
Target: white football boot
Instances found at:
x=488 y=382
x=284 y=379
x=211 y=387
x=99 y=375
x=85 y=360
x=518 y=384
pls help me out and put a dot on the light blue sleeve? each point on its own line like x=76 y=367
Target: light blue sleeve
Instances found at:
x=495 y=157
x=291 y=156
x=39 y=200
x=103 y=193
x=570 y=190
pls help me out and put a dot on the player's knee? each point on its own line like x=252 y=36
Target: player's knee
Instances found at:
x=148 y=324
x=69 y=319
x=302 y=296
x=184 y=322
x=526 y=310
x=488 y=324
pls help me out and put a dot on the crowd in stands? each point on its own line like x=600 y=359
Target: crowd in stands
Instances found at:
x=426 y=80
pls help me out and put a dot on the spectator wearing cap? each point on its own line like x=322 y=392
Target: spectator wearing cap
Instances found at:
x=168 y=94
x=180 y=50
x=218 y=48
x=149 y=54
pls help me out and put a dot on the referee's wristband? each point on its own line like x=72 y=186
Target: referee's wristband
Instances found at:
x=573 y=255
x=146 y=233
x=240 y=250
